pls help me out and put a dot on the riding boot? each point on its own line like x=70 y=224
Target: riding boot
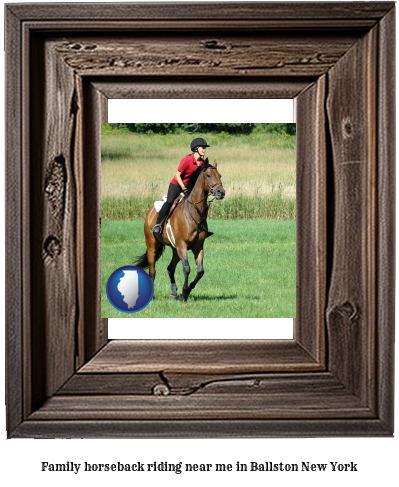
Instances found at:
x=163 y=212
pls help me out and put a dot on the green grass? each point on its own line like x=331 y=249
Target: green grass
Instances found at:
x=272 y=207
x=249 y=270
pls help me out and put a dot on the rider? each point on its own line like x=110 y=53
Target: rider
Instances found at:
x=186 y=167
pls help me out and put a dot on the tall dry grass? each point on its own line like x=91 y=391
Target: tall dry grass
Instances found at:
x=258 y=173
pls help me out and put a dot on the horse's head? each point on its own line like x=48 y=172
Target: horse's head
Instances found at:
x=212 y=182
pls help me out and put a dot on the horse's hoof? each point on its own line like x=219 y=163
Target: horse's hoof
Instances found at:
x=173 y=297
x=182 y=298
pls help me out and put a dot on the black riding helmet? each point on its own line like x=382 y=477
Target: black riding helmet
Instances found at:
x=198 y=142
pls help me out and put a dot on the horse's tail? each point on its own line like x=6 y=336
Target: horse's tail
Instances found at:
x=142 y=260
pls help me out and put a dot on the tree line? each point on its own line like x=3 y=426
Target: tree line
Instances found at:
x=205 y=128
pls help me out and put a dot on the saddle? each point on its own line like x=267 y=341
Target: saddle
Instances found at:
x=158 y=205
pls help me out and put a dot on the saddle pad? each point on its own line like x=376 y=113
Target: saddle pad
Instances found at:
x=158 y=204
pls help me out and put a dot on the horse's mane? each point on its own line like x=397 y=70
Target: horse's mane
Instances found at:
x=194 y=176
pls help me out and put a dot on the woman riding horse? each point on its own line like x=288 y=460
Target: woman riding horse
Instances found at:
x=187 y=228
x=187 y=166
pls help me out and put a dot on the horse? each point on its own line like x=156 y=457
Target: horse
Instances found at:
x=189 y=229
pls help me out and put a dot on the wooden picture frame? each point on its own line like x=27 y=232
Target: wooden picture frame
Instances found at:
x=64 y=379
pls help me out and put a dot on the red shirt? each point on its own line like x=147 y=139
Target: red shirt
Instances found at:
x=187 y=166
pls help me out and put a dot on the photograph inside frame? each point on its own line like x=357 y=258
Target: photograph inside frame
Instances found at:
x=198 y=220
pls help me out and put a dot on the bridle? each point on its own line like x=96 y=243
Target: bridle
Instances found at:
x=209 y=186
x=195 y=203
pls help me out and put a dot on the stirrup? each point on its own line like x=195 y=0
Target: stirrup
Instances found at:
x=157 y=228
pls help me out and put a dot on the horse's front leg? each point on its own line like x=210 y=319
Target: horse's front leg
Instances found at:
x=199 y=258
x=182 y=252
x=171 y=273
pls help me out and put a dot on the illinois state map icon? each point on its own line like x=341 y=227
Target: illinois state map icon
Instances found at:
x=129 y=289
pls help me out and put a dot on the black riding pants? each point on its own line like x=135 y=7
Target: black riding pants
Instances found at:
x=173 y=192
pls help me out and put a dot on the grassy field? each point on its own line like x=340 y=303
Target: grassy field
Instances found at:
x=249 y=270
x=250 y=261
x=258 y=173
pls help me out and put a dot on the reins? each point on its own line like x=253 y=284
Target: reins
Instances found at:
x=208 y=205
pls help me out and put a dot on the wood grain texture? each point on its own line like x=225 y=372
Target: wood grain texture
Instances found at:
x=274 y=428
x=246 y=55
x=142 y=428
x=173 y=88
x=120 y=26
x=109 y=384
x=15 y=270
x=200 y=356
x=351 y=307
x=385 y=245
x=185 y=384
x=95 y=330
x=311 y=219
x=204 y=407
x=248 y=11
x=73 y=57
x=53 y=196
x=269 y=396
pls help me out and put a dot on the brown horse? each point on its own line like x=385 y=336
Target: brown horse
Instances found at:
x=189 y=228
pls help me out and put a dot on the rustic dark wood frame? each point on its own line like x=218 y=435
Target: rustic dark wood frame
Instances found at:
x=336 y=376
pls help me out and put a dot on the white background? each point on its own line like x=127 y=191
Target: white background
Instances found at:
x=376 y=458
x=215 y=111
